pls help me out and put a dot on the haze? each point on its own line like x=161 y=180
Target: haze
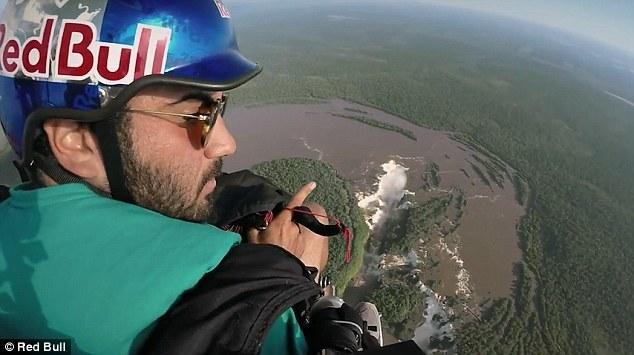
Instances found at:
x=609 y=22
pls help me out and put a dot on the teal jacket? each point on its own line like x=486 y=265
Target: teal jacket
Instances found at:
x=100 y=272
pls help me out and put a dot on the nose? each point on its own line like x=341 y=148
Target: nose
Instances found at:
x=220 y=142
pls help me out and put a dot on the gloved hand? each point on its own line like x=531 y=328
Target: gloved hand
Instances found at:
x=334 y=325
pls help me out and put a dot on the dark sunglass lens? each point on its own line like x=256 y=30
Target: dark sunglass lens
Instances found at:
x=197 y=132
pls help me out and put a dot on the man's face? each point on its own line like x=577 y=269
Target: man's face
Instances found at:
x=165 y=166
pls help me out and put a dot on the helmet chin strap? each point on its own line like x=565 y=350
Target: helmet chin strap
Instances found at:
x=106 y=133
x=22 y=171
x=45 y=163
x=51 y=167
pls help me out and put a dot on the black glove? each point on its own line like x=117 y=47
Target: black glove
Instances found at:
x=334 y=325
x=243 y=200
x=241 y=194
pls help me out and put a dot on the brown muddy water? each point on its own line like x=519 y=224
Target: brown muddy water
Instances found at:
x=486 y=239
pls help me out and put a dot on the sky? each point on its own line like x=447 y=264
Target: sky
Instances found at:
x=607 y=21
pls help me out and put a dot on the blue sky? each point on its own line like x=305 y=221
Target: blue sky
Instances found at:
x=607 y=21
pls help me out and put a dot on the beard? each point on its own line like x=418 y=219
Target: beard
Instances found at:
x=162 y=189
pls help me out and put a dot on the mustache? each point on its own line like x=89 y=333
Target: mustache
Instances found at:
x=213 y=171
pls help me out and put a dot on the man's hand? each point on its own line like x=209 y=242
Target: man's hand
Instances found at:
x=282 y=231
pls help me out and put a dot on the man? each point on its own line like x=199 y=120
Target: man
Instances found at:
x=123 y=100
x=116 y=108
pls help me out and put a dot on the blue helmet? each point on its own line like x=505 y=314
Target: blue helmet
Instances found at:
x=83 y=60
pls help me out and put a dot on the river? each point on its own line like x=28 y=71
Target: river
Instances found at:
x=479 y=254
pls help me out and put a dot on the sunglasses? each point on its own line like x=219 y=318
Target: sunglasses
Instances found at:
x=201 y=122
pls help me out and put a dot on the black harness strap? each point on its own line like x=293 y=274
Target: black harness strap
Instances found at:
x=51 y=167
x=261 y=220
x=24 y=174
x=4 y=193
x=106 y=133
x=309 y=221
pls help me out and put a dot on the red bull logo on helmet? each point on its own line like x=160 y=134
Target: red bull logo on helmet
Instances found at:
x=78 y=55
x=224 y=12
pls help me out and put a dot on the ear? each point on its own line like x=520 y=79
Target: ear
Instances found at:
x=75 y=148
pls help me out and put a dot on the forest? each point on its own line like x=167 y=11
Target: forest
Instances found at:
x=406 y=226
x=569 y=143
x=374 y=123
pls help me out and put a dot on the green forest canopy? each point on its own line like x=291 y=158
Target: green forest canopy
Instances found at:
x=556 y=127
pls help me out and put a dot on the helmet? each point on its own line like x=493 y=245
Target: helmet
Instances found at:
x=83 y=60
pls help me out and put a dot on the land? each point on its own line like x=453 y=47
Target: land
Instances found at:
x=535 y=98
x=378 y=124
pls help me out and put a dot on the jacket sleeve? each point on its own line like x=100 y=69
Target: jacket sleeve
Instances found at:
x=232 y=308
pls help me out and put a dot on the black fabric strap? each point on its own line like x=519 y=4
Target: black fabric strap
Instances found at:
x=232 y=307
x=309 y=221
x=24 y=174
x=106 y=133
x=4 y=193
x=51 y=167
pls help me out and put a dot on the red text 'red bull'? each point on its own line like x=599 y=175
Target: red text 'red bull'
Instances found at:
x=79 y=55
